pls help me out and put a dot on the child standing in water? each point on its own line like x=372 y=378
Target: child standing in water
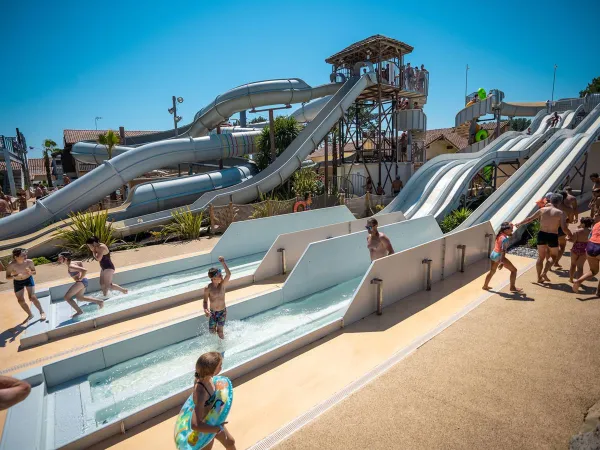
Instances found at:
x=499 y=259
x=207 y=366
x=215 y=294
x=578 y=254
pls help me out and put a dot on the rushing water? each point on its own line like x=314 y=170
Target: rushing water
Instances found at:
x=164 y=286
x=146 y=379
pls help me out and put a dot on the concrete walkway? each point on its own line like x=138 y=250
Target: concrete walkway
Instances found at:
x=518 y=374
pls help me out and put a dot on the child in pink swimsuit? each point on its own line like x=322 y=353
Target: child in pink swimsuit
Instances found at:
x=580 y=240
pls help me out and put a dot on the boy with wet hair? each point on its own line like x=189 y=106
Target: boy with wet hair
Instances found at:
x=214 y=298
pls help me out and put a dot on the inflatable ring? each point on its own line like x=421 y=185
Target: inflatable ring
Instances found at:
x=472 y=102
x=481 y=93
x=188 y=439
x=481 y=135
x=300 y=206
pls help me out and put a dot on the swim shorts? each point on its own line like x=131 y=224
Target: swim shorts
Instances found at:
x=549 y=239
x=217 y=319
x=593 y=249
x=22 y=284
x=495 y=256
x=561 y=233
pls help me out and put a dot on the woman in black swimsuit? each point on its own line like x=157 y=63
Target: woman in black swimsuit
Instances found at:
x=77 y=272
x=107 y=268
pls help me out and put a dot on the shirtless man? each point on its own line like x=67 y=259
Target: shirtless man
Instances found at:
x=21 y=271
x=571 y=202
x=379 y=244
x=215 y=294
x=562 y=237
x=551 y=219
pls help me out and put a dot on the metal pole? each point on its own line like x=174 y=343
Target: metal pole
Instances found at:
x=379 y=283
x=554 y=81
x=490 y=238
x=175 y=114
x=428 y=281
x=462 y=249
x=272 y=135
x=326 y=167
x=466 y=81
x=283 y=260
x=335 y=161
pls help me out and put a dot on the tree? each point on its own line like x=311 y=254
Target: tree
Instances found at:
x=109 y=140
x=286 y=130
x=49 y=147
x=592 y=88
x=258 y=119
x=304 y=181
x=519 y=124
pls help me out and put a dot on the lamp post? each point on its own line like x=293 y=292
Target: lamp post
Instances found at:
x=554 y=81
x=173 y=110
x=466 y=80
x=96 y=119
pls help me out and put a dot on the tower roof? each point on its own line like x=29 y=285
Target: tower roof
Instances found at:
x=377 y=47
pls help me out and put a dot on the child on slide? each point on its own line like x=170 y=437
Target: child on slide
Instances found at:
x=499 y=259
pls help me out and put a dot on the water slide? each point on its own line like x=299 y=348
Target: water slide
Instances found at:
x=544 y=172
x=437 y=187
x=274 y=175
x=193 y=145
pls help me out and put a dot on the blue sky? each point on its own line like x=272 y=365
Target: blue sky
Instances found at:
x=66 y=62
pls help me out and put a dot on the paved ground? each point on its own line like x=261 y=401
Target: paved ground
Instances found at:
x=511 y=374
x=55 y=272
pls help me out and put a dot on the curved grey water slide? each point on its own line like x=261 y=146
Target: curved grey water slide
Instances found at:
x=274 y=175
x=542 y=173
x=436 y=187
x=133 y=162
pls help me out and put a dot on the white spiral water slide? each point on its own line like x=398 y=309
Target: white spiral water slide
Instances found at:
x=193 y=145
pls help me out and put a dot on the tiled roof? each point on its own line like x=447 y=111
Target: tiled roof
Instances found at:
x=458 y=139
x=73 y=136
x=36 y=166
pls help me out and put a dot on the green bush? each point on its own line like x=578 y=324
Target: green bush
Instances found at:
x=82 y=227
x=304 y=181
x=532 y=231
x=454 y=219
x=185 y=225
x=41 y=260
x=268 y=206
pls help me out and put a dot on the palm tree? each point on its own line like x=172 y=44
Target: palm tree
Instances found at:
x=49 y=147
x=109 y=140
x=286 y=130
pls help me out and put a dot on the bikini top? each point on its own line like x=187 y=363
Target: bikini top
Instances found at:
x=211 y=397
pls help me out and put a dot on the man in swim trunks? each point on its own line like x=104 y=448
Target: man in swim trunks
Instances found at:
x=214 y=298
x=551 y=219
x=562 y=237
x=21 y=271
x=379 y=244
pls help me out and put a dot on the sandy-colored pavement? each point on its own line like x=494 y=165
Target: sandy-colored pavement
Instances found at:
x=56 y=274
x=510 y=375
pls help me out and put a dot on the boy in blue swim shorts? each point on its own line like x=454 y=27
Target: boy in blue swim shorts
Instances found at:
x=214 y=298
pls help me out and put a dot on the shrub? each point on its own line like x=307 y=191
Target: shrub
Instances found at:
x=532 y=231
x=82 y=227
x=454 y=219
x=185 y=225
x=41 y=260
x=304 y=181
x=268 y=206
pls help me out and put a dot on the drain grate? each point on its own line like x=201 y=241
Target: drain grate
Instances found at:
x=287 y=430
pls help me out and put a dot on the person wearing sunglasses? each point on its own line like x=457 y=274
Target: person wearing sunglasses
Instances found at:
x=379 y=244
x=214 y=298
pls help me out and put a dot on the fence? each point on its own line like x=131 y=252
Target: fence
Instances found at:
x=223 y=216
x=367 y=205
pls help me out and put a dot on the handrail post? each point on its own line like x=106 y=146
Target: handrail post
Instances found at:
x=428 y=262
x=462 y=249
x=379 y=283
x=283 y=261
